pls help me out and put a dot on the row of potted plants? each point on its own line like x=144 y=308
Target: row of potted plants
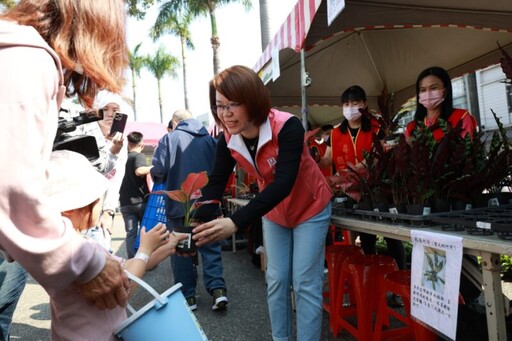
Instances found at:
x=453 y=173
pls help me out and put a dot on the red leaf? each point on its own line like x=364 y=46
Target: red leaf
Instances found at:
x=177 y=195
x=193 y=182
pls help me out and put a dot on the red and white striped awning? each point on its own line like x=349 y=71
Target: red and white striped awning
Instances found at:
x=293 y=31
x=380 y=44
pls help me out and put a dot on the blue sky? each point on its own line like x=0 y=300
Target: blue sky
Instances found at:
x=239 y=32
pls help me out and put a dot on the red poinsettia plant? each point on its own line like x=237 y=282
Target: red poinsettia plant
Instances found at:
x=189 y=193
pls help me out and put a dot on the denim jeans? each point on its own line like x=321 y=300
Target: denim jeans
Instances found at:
x=185 y=271
x=132 y=216
x=13 y=278
x=295 y=258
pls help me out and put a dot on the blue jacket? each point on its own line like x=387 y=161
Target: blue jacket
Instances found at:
x=187 y=149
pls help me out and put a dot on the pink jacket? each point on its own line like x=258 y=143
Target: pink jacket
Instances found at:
x=32 y=232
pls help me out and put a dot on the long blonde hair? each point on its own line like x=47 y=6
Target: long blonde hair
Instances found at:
x=88 y=36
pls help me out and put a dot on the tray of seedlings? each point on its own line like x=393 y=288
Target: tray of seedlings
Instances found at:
x=342 y=206
x=479 y=221
x=393 y=215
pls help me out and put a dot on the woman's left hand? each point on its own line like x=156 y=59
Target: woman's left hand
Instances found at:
x=214 y=230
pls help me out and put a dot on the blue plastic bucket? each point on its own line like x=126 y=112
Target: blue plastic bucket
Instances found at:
x=167 y=317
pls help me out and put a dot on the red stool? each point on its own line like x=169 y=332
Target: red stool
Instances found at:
x=335 y=255
x=364 y=275
x=345 y=234
x=399 y=283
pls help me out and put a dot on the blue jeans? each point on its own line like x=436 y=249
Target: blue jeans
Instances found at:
x=185 y=271
x=132 y=216
x=295 y=258
x=13 y=278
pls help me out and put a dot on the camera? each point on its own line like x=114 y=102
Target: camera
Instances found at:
x=83 y=144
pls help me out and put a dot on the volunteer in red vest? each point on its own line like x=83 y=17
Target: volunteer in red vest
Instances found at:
x=349 y=141
x=434 y=101
x=294 y=197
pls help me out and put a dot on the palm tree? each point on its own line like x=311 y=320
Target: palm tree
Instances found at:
x=201 y=7
x=6 y=4
x=170 y=22
x=159 y=65
x=135 y=63
x=133 y=7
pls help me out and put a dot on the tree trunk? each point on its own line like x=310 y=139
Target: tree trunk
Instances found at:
x=215 y=40
x=160 y=101
x=184 y=60
x=134 y=97
x=265 y=24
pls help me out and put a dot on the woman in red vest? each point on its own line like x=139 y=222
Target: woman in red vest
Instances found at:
x=294 y=197
x=434 y=101
x=349 y=141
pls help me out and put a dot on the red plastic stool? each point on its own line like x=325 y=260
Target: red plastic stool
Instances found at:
x=344 y=233
x=364 y=275
x=399 y=283
x=335 y=255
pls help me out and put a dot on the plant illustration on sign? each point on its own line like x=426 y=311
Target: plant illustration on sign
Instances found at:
x=433 y=269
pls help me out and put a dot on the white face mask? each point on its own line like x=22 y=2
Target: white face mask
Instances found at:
x=351 y=113
x=431 y=99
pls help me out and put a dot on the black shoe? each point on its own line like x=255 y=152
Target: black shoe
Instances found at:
x=192 y=303
x=220 y=300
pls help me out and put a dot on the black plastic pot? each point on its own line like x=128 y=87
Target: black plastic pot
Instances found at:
x=186 y=245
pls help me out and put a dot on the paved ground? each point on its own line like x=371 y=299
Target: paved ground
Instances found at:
x=246 y=318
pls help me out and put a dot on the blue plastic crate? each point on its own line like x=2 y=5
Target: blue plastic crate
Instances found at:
x=155 y=211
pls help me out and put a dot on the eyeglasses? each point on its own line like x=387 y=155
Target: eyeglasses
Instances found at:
x=229 y=107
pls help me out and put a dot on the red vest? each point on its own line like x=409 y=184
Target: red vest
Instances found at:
x=309 y=195
x=344 y=149
x=468 y=124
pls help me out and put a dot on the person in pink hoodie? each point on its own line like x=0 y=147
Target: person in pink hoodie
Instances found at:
x=48 y=49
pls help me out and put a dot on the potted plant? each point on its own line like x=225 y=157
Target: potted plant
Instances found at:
x=187 y=195
x=485 y=171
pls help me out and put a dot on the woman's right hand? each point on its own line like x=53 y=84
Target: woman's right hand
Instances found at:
x=214 y=230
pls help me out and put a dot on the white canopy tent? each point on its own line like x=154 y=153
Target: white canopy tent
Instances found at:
x=379 y=44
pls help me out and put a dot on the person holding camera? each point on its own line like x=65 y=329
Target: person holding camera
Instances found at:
x=48 y=49
x=113 y=154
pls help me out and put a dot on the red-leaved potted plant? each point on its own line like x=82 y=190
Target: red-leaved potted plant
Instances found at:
x=188 y=194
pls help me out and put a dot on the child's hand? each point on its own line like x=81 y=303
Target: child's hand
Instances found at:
x=170 y=247
x=172 y=242
x=153 y=239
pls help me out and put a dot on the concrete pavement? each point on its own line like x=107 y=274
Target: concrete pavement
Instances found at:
x=246 y=318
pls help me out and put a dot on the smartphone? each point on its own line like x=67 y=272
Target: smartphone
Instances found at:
x=118 y=123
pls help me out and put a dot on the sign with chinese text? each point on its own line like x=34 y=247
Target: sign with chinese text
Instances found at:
x=435 y=277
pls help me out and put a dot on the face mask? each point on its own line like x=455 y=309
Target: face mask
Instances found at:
x=432 y=99
x=351 y=113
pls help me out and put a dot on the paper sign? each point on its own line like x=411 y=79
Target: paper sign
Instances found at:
x=334 y=8
x=276 y=71
x=435 y=276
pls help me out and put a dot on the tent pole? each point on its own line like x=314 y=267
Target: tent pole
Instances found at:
x=305 y=82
